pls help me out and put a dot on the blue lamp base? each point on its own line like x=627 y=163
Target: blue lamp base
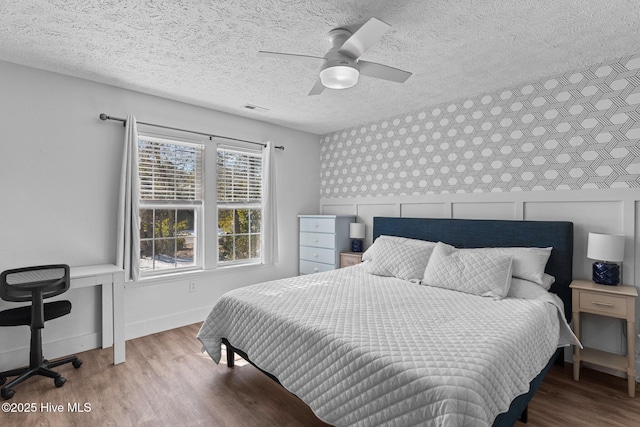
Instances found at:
x=606 y=273
x=356 y=245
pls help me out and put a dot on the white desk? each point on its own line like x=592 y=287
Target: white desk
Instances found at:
x=111 y=279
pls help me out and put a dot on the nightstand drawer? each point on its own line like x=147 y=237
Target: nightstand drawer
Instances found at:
x=606 y=304
x=349 y=259
x=325 y=256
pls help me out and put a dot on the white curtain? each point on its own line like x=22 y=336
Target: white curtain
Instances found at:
x=269 y=207
x=128 y=247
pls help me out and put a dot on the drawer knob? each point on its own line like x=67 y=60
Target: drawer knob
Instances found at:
x=604 y=304
x=315 y=240
x=315 y=255
x=315 y=269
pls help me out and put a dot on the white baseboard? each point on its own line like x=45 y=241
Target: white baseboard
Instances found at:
x=19 y=357
x=165 y=323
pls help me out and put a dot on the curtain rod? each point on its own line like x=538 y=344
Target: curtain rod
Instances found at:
x=104 y=117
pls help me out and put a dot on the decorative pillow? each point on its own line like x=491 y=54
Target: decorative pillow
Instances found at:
x=398 y=257
x=469 y=270
x=528 y=263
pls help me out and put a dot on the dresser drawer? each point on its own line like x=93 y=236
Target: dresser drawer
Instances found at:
x=318 y=225
x=606 y=304
x=318 y=240
x=325 y=256
x=309 y=267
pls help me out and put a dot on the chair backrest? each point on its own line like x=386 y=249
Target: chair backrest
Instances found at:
x=18 y=285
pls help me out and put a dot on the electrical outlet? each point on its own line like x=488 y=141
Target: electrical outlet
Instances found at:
x=192 y=286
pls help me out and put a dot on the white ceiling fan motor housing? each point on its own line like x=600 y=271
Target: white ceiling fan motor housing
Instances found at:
x=338 y=71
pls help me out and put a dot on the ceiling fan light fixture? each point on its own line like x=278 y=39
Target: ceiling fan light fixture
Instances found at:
x=339 y=77
x=341 y=67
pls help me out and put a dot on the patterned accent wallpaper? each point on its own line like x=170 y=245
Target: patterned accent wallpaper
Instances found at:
x=578 y=130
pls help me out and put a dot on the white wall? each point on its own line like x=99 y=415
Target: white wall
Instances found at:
x=59 y=178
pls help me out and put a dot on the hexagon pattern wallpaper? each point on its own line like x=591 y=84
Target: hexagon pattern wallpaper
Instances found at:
x=578 y=130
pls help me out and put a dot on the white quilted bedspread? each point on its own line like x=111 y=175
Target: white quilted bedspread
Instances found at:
x=364 y=350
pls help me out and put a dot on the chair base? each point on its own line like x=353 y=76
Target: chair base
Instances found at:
x=44 y=369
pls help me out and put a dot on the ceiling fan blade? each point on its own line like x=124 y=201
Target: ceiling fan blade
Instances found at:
x=317 y=88
x=364 y=38
x=379 y=71
x=279 y=55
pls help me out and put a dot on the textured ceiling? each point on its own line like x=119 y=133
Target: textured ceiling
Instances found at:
x=204 y=52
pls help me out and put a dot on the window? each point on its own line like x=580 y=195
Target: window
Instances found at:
x=239 y=205
x=170 y=204
x=176 y=208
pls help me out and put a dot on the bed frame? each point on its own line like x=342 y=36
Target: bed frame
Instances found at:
x=471 y=233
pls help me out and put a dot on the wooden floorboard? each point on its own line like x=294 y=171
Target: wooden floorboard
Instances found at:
x=166 y=381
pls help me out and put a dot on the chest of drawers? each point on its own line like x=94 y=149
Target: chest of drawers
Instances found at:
x=322 y=238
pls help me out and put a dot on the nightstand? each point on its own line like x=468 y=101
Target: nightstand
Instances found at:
x=348 y=259
x=611 y=301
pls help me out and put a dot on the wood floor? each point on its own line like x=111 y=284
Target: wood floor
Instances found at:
x=166 y=381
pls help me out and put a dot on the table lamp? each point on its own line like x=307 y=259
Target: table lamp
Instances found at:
x=356 y=233
x=607 y=250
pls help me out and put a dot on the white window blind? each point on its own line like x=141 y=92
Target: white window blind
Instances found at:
x=239 y=202
x=171 y=201
x=239 y=177
x=169 y=170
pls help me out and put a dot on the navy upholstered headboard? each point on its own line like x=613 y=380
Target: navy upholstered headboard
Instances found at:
x=478 y=233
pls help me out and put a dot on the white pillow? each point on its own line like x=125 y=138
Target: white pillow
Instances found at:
x=404 y=241
x=528 y=263
x=398 y=257
x=547 y=281
x=469 y=270
x=521 y=288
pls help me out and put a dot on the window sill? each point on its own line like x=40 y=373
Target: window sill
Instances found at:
x=194 y=274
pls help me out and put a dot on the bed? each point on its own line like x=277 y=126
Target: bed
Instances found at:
x=374 y=349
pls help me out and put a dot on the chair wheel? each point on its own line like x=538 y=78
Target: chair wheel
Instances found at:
x=77 y=363
x=59 y=382
x=3 y=380
x=7 y=393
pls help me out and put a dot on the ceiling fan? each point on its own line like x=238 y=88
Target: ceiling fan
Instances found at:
x=340 y=65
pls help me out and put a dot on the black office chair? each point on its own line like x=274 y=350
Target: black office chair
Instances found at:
x=35 y=284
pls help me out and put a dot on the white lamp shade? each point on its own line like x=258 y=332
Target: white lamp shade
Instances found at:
x=605 y=247
x=356 y=230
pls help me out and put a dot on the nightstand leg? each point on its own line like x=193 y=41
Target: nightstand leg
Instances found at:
x=576 y=349
x=631 y=364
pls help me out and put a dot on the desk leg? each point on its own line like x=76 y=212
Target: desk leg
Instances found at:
x=631 y=363
x=106 y=283
x=118 y=318
x=576 y=348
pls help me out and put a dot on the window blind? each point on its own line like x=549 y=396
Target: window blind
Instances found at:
x=169 y=170
x=239 y=176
